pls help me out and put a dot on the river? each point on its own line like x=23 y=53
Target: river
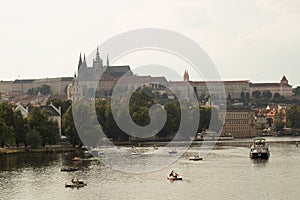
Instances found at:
x=225 y=173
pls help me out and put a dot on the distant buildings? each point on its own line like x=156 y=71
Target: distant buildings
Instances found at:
x=100 y=79
x=240 y=122
x=282 y=88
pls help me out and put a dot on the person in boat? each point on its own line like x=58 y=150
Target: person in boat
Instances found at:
x=173 y=174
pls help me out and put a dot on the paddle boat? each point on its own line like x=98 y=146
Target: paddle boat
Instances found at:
x=195 y=158
x=173 y=151
x=173 y=176
x=76 y=183
x=69 y=169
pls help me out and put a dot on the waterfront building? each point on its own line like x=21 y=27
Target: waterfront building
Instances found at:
x=240 y=122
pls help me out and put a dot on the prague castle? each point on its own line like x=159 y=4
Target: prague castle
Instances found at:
x=111 y=74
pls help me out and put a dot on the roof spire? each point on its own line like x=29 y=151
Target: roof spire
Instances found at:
x=80 y=62
x=97 y=54
x=84 y=61
x=107 y=60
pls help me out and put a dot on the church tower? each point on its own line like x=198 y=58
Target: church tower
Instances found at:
x=97 y=62
x=186 y=76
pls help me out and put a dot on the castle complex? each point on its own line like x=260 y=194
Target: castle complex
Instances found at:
x=110 y=75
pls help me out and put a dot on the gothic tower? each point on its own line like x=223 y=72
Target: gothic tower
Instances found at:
x=97 y=62
x=186 y=76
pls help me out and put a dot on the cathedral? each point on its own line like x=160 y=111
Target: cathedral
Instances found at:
x=108 y=72
x=104 y=77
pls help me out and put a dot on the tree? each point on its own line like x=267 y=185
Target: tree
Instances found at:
x=34 y=138
x=69 y=128
x=6 y=134
x=276 y=96
x=45 y=89
x=256 y=94
x=6 y=113
x=279 y=123
x=297 y=91
x=266 y=94
x=293 y=116
x=39 y=119
x=20 y=128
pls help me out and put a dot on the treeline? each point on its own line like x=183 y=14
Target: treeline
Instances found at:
x=293 y=117
x=37 y=129
x=139 y=107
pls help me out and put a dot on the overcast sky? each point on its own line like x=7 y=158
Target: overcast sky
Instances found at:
x=256 y=40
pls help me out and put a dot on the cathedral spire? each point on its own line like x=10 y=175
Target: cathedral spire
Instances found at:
x=186 y=76
x=84 y=61
x=107 y=60
x=80 y=62
x=97 y=54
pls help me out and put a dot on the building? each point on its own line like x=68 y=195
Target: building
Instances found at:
x=57 y=85
x=282 y=88
x=240 y=122
x=235 y=90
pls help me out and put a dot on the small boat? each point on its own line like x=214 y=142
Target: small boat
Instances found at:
x=173 y=151
x=259 y=149
x=195 y=158
x=69 y=169
x=76 y=183
x=174 y=176
x=76 y=159
x=136 y=153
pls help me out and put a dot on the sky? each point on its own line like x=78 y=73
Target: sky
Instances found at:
x=254 y=40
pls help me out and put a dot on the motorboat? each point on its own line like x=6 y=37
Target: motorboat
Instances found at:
x=259 y=149
x=69 y=169
x=195 y=158
x=76 y=183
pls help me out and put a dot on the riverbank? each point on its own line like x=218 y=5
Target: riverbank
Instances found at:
x=238 y=142
x=47 y=149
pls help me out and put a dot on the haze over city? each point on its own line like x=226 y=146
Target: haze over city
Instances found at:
x=247 y=40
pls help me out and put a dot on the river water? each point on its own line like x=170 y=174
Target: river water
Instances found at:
x=226 y=173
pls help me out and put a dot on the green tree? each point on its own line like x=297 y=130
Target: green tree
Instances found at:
x=297 y=91
x=279 y=123
x=7 y=114
x=45 y=89
x=20 y=128
x=39 y=119
x=69 y=128
x=256 y=94
x=266 y=94
x=34 y=138
x=293 y=116
x=6 y=134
